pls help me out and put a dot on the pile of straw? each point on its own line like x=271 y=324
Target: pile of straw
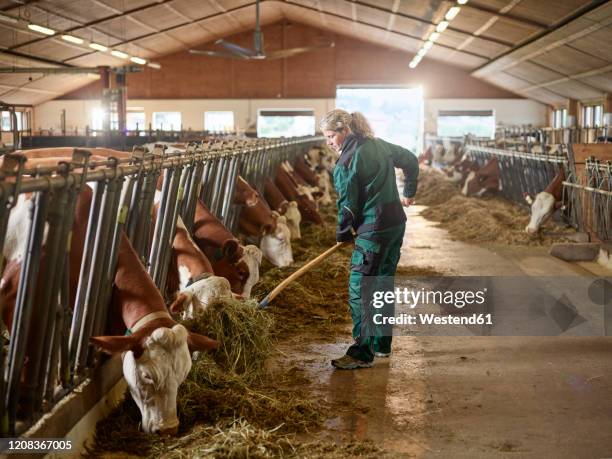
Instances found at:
x=487 y=219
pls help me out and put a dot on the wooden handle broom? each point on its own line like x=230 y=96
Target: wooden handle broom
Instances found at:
x=307 y=267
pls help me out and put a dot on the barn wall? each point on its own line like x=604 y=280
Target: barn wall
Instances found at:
x=78 y=112
x=507 y=111
x=312 y=75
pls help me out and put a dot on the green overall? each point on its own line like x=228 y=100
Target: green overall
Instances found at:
x=370 y=212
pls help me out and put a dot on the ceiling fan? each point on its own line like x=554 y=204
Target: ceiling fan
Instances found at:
x=234 y=51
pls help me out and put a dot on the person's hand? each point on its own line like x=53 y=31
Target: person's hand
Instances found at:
x=346 y=243
x=407 y=202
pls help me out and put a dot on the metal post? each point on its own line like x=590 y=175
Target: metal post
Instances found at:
x=23 y=305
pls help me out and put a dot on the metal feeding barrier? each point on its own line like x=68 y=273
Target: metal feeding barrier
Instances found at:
x=520 y=173
x=589 y=193
x=123 y=190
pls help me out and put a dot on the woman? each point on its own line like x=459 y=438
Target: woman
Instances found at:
x=370 y=214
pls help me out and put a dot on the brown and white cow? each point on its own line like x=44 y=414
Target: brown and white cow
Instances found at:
x=289 y=188
x=157 y=353
x=545 y=203
x=238 y=264
x=259 y=221
x=427 y=156
x=461 y=170
x=487 y=178
x=280 y=204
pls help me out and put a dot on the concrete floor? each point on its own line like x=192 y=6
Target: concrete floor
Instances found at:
x=475 y=396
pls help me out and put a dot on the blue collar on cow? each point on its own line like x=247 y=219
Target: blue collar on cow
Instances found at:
x=199 y=277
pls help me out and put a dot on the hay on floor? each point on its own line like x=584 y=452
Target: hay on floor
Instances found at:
x=489 y=219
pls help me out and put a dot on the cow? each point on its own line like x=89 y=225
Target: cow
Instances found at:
x=437 y=155
x=289 y=188
x=485 y=179
x=426 y=157
x=545 y=203
x=461 y=170
x=157 y=353
x=238 y=264
x=259 y=221
x=305 y=172
x=196 y=279
x=316 y=176
x=303 y=187
x=289 y=209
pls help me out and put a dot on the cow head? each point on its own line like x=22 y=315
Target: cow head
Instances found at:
x=244 y=194
x=276 y=246
x=309 y=211
x=483 y=180
x=251 y=257
x=194 y=298
x=293 y=217
x=542 y=207
x=314 y=156
x=154 y=366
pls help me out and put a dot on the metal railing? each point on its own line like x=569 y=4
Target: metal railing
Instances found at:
x=589 y=194
x=520 y=172
x=59 y=356
x=545 y=138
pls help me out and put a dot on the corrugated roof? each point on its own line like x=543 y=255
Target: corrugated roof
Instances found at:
x=541 y=49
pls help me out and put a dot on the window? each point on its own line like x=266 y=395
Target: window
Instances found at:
x=457 y=123
x=135 y=120
x=6 y=121
x=219 y=121
x=97 y=118
x=394 y=113
x=167 y=121
x=592 y=115
x=285 y=123
x=560 y=118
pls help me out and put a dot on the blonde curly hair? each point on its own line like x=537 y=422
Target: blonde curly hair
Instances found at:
x=338 y=119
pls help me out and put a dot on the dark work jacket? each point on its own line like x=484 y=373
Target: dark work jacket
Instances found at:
x=364 y=178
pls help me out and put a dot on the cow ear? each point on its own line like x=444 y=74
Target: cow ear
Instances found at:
x=230 y=249
x=180 y=303
x=197 y=342
x=115 y=344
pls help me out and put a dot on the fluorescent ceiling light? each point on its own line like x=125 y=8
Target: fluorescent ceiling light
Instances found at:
x=427 y=44
x=413 y=64
x=41 y=29
x=98 y=47
x=434 y=36
x=138 y=60
x=71 y=39
x=422 y=52
x=450 y=14
x=462 y=2
x=11 y=19
x=441 y=27
x=119 y=54
x=155 y=65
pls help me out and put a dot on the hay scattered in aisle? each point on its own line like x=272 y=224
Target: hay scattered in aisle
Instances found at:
x=489 y=219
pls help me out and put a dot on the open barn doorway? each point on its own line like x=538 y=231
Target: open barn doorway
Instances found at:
x=394 y=112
